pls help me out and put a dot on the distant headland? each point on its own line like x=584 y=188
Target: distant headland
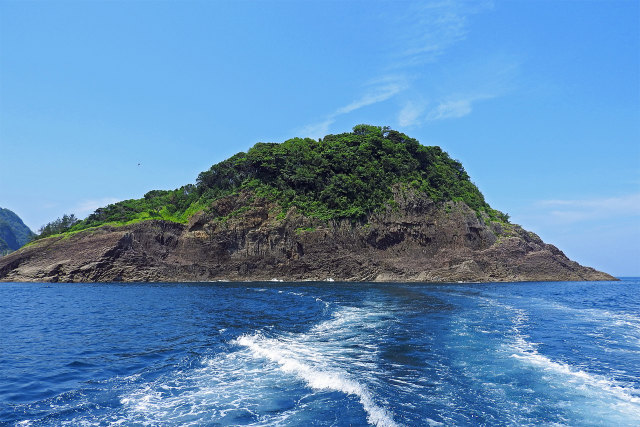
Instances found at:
x=13 y=232
x=368 y=205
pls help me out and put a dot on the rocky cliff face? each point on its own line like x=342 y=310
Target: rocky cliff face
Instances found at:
x=246 y=238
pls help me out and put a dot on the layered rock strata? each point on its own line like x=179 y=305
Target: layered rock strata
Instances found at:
x=244 y=238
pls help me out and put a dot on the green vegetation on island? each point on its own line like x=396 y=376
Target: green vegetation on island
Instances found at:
x=58 y=226
x=344 y=176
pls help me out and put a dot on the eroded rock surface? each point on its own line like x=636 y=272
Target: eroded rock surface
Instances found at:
x=247 y=238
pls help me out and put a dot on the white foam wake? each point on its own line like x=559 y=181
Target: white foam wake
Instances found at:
x=599 y=316
x=307 y=364
x=603 y=395
x=595 y=387
x=238 y=387
x=627 y=397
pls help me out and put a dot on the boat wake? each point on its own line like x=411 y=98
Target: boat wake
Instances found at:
x=264 y=380
x=320 y=358
x=601 y=395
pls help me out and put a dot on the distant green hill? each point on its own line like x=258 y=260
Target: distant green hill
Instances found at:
x=13 y=233
x=344 y=176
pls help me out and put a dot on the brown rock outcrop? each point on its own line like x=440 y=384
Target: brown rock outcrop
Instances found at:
x=245 y=238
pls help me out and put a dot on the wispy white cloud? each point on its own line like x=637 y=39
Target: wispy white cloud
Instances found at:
x=411 y=113
x=316 y=130
x=430 y=28
x=422 y=34
x=378 y=94
x=450 y=110
x=573 y=211
x=451 y=88
x=455 y=108
x=85 y=207
x=416 y=113
x=379 y=91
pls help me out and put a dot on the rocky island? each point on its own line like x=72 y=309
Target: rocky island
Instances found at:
x=369 y=205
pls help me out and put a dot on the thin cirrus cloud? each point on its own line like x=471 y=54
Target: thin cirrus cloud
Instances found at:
x=450 y=110
x=86 y=207
x=389 y=88
x=424 y=33
x=382 y=90
x=411 y=113
x=453 y=88
x=430 y=28
x=574 y=211
x=414 y=113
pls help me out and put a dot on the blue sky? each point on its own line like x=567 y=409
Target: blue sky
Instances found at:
x=540 y=100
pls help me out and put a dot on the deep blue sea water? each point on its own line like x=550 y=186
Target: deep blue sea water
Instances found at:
x=331 y=354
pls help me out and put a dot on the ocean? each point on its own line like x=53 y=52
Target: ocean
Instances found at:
x=323 y=354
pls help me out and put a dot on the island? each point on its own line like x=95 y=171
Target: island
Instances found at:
x=368 y=205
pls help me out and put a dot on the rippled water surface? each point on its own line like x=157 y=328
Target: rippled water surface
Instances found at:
x=330 y=354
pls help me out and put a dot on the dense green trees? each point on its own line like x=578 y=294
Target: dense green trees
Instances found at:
x=343 y=176
x=172 y=205
x=348 y=175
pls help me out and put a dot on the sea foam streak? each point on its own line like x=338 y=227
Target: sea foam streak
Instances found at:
x=317 y=378
x=319 y=357
x=624 y=399
x=236 y=387
x=627 y=397
x=601 y=397
x=593 y=315
x=228 y=389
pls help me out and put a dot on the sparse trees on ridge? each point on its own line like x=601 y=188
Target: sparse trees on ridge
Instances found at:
x=57 y=226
